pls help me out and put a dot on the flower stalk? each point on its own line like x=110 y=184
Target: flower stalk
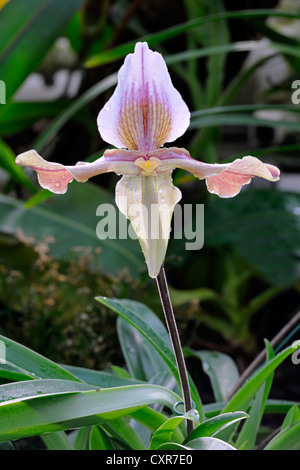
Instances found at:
x=163 y=290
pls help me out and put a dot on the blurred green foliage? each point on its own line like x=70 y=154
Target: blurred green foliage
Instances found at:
x=250 y=257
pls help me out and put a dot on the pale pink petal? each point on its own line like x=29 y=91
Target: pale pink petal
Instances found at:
x=56 y=177
x=52 y=176
x=225 y=180
x=240 y=172
x=145 y=110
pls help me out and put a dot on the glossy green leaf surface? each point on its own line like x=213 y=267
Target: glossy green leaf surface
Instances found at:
x=27 y=390
x=248 y=434
x=103 y=379
x=99 y=440
x=65 y=406
x=165 y=432
x=141 y=317
x=142 y=359
x=242 y=398
x=203 y=443
x=24 y=361
x=220 y=368
x=287 y=439
x=212 y=425
x=123 y=431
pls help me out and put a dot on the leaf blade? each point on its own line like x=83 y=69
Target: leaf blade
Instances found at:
x=65 y=410
x=21 y=23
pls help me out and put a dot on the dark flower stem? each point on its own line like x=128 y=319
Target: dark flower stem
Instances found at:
x=174 y=335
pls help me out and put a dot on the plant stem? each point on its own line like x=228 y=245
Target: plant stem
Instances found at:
x=174 y=335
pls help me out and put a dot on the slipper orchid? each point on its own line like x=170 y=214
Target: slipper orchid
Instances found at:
x=144 y=112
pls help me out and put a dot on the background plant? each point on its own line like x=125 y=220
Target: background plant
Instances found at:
x=244 y=286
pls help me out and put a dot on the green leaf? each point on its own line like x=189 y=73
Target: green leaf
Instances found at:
x=272 y=407
x=173 y=446
x=141 y=318
x=12 y=373
x=165 y=432
x=220 y=368
x=203 y=443
x=150 y=418
x=243 y=397
x=39 y=197
x=211 y=426
x=287 y=439
x=57 y=441
x=71 y=221
x=101 y=379
x=250 y=221
x=133 y=346
x=218 y=34
x=120 y=372
x=238 y=46
x=142 y=359
x=210 y=443
x=6 y=446
x=244 y=108
x=249 y=431
x=122 y=430
x=292 y=417
x=82 y=438
x=99 y=440
x=7 y=162
x=122 y=50
x=26 y=390
x=31 y=364
x=180 y=297
x=27 y=31
x=68 y=409
x=240 y=120
x=17 y=116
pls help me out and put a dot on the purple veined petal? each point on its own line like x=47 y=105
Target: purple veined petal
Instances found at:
x=225 y=180
x=55 y=177
x=145 y=110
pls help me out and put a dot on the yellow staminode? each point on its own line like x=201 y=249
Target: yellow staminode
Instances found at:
x=148 y=167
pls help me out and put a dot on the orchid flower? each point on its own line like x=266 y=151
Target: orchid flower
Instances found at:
x=144 y=112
